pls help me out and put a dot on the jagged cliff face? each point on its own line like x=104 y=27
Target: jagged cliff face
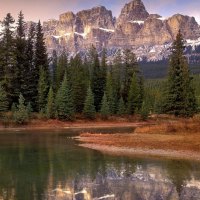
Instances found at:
x=134 y=28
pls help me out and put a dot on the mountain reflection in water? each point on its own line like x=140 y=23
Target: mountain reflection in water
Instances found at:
x=53 y=167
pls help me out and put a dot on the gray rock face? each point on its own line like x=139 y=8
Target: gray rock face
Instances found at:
x=135 y=28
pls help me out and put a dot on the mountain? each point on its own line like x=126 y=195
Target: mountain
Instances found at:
x=148 y=35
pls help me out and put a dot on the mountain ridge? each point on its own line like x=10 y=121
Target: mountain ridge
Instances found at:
x=148 y=35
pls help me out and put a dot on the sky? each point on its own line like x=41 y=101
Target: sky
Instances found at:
x=51 y=9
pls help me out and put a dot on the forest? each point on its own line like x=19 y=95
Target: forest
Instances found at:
x=63 y=87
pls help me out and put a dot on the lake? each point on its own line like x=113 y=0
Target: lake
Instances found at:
x=51 y=166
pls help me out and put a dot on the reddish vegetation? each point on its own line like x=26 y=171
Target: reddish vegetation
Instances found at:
x=175 y=135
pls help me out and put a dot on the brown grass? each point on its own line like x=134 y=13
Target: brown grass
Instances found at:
x=181 y=135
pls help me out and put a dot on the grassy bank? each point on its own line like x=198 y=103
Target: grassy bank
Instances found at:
x=167 y=137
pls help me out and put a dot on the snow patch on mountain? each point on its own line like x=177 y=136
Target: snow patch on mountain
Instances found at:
x=107 y=30
x=137 y=22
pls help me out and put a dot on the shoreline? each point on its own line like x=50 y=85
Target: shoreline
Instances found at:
x=73 y=125
x=138 y=152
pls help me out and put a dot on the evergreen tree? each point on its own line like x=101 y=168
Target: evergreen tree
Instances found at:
x=41 y=61
x=89 y=108
x=110 y=93
x=134 y=96
x=180 y=97
x=29 y=87
x=3 y=100
x=20 y=68
x=64 y=102
x=42 y=89
x=78 y=83
x=50 y=109
x=54 y=63
x=105 y=111
x=61 y=68
x=121 y=107
x=8 y=59
x=21 y=114
x=130 y=67
x=97 y=79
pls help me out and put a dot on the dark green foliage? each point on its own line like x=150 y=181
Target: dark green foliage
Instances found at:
x=130 y=67
x=64 y=102
x=89 y=108
x=21 y=45
x=121 y=110
x=61 y=69
x=180 y=96
x=21 y=114
x=98 y=78
x=50 y=108
x=54 y=63
x=29 y=87
x=41 y=66
x=134 y=96
x=145 y=110
x=78 y=82
x=42 y=89
x=8 y=59
x=110 y=93
x=29 y=109
x=105 y=111
x=3 y=100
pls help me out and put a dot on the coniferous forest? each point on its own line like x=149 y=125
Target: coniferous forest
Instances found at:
x=62 y=87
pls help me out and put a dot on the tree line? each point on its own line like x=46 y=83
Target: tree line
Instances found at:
x=62 y=86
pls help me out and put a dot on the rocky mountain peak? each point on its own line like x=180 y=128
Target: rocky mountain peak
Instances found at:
x=133 y=11
x=66 y=17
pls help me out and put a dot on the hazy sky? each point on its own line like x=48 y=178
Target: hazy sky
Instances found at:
x=47 y=9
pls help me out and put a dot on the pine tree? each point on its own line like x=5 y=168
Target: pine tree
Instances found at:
x=20 y=68
x=54 y=63
x=3 y=100
x=130 y=67
x=97 y=78
x=89 y=108
x=29 y=87
x=42 y=89
x=78 y=82
x=50 y=108
x=105 y=111
x=21 y=114
x=110 y=93
x=41 y=61
x=121 y=107
x=61 y=69
x=180 y=97
x=133 y=96
x=8 y=59
x=64 y=102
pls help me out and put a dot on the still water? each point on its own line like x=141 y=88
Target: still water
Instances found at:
x=51 y=166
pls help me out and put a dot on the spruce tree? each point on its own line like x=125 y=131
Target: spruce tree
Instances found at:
x=121 y=110
x=3 y=100
x=130 y=66
x=110 y=93
x=180 y=96
x=105 y=110
x=8 y=59
x=78 y=82
x=21 y=114
x=64 y=102
x=20 y=68
x=42 y=89
x=41 y=61
x=97 y=79
x=61 y=69
x=50 y=108
x=133 y=96
x=29 y=87
x=89 y=108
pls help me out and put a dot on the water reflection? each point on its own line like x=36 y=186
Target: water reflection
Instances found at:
x=52 y=167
